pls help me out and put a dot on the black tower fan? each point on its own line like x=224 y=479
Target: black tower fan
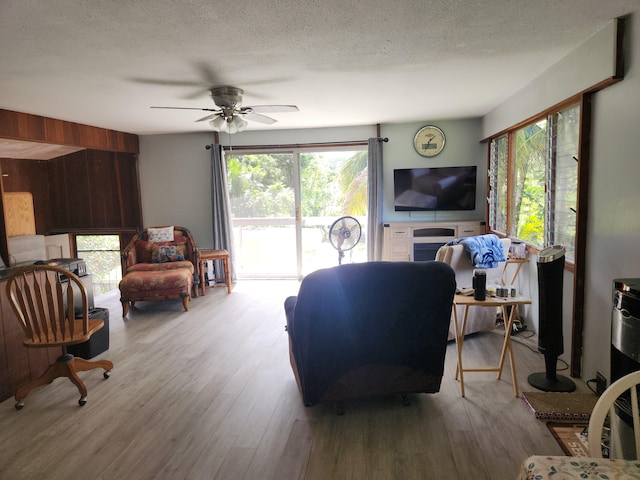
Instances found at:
x=550 y=339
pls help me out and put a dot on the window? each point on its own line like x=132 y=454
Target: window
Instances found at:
x=102 y=256
x=533 y=180
x=283 y=204
x=498 y=184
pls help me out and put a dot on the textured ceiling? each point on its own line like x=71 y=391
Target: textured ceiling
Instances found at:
x=342 y=62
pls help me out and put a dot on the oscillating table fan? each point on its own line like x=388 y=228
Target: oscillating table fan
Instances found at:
x=344 y=234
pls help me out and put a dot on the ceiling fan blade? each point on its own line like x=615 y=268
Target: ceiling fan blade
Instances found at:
x=166 y=83
x=256 y=117
x=273 y=108
x=208 y=117
x=208 y=74
x=200 y=93
x=190 y=108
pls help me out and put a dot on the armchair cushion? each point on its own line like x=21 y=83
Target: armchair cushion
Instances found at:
x=146 y=251
x=169 y=253
x=159 y=267
x=160 y=234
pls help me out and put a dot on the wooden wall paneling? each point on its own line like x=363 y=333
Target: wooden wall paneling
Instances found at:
x=105 y=202
x=94 y=138
x=58 y=202
x=61 y=132
x=69 y=199
x=129 y=190
x=79 y=193
x=5 y=377
x=18 y=364
x=23 y=126
x=95 y=189
x=17 y=356
x=4 y=247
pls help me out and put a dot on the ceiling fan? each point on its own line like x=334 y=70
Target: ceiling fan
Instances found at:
x=230 y=115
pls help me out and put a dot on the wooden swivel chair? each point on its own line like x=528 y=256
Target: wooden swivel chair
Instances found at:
x=44 y=304
x=625 y=390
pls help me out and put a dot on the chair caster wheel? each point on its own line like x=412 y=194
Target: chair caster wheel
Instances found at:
x=19 y=405
x=82 y=401
x=106 y=374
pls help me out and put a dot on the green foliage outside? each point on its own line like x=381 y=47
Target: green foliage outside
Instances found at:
x=261 y=185
x=102 y=256
x=528 y=194
x=353 y=180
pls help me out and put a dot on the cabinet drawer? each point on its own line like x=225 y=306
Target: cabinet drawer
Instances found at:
x=400 y=232
x=470 y=231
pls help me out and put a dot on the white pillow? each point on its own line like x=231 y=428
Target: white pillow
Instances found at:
x=163 y=234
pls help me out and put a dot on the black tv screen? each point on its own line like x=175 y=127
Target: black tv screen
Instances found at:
x=431 y=189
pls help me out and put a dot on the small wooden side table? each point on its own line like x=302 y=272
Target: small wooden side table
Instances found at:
x=513 y=261
x=518 y=262
x=468 y=301
x=215 y=255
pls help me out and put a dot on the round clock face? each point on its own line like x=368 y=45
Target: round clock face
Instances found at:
x=429 y=141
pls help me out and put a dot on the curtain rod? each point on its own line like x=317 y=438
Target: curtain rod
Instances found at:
x=348 y=143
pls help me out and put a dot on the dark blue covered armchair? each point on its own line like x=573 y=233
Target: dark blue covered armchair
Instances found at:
x=370 y=329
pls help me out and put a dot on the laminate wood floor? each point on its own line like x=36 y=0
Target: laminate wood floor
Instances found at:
x=209 y=394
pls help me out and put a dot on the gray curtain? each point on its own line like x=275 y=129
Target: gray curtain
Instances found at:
x=374 y=208
x=221 y=209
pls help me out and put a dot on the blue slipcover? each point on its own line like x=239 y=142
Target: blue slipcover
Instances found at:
x=370 y=329
x=485 y=251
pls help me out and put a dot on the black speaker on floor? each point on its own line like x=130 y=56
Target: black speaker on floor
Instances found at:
x=99 y=341
x=550 y=339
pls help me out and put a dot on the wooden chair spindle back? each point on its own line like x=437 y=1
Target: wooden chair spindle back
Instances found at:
x=37 y=294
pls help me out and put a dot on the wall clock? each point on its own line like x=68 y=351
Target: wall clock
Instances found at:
x=429 y=141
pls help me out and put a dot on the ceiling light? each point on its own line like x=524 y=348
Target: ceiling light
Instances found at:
x=218 y=123
x=232 y=124
x=237 y=124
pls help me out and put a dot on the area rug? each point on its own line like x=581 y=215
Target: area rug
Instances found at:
x=561 y=406
x=571 y=436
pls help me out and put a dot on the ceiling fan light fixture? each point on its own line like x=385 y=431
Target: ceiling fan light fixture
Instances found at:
x=240 y=123
x=233 y=124
x=218 y=123
x=229 y=116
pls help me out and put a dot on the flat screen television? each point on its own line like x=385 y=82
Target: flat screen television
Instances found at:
x=434 y=189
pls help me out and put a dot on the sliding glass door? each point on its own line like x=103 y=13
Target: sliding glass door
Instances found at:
x=283 y=205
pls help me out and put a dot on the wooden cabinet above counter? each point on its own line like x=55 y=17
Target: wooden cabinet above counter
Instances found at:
x=82 y=178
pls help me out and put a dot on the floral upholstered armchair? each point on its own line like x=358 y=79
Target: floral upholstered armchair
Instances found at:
x=160 y=263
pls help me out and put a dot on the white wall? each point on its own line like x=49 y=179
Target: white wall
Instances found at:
x=175 y=183
x=462 y=147
x=614 y=222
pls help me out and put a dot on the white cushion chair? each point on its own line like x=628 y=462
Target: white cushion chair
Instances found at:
x=479 y=319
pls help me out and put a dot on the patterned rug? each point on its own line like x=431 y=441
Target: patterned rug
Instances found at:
x=572 y=437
